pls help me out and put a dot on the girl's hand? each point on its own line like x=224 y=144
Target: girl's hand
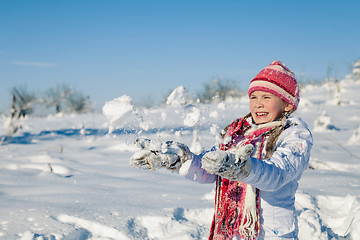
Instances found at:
x=146 y=159
x=171 y=156
x=234 y=164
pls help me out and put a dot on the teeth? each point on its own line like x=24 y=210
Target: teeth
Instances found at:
x=261 y=114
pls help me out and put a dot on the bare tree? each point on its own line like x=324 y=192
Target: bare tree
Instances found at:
x=22 y=102
x=78 y=103
x=56 y=97
x=66 y=99
x=219 y=90
x=356 y=70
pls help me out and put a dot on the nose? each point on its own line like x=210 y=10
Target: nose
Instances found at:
x=259 y=103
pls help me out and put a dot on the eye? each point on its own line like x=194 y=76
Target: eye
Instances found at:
x=267 y=97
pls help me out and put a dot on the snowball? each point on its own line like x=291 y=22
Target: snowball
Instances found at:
x=118 y=109
x=192 y=116
x=222 y=106
x=185 y=168
x=177 y=97
x=196 y=146
x=163 y=116
x=214 y=114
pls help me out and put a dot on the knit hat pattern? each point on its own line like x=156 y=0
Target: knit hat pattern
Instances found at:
x=277 y=79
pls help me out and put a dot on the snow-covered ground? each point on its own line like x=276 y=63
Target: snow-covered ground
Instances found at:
x=68 y=176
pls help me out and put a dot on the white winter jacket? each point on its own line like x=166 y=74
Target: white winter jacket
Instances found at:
x=276 y=177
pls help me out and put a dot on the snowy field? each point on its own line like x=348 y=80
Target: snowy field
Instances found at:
x=68 y=176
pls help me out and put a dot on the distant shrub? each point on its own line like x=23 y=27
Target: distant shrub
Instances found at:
x=22 y=102
x=217 y=90
x=64 y=98
x=356 y=70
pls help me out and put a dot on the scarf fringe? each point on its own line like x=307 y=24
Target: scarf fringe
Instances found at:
x=249 y=225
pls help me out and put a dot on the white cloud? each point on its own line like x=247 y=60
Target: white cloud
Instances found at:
x=34 y=64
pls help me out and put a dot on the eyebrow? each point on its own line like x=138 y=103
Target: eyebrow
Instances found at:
x=265 y=94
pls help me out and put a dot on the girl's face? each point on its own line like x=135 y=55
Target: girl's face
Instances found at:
x=266 y=107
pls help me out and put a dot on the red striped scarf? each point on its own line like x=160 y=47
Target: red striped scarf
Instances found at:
x=236 y=203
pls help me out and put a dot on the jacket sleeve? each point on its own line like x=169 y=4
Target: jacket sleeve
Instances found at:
x=196 y=173
x=288 y=162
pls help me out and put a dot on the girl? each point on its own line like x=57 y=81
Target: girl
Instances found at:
x=256 y=168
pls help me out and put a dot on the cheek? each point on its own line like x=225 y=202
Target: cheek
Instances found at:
x=278 y=111
x=251 y=105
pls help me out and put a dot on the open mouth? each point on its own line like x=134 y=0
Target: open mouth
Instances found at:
x=261 y=114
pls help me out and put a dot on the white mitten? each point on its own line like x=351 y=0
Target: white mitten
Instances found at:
x=177 y=154
x=143 y=143
x=234 y=164
x=171 y=156
x=147 y=159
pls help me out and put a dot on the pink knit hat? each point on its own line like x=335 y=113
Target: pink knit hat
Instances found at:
x=278 y=80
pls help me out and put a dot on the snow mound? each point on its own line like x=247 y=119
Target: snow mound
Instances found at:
x=355 y=138
x=338 y=214
x=178 y=224
x=323 y=123
x=97 y=230
x=333 y=166
x=327 y=217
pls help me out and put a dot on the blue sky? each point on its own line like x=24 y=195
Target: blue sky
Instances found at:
x=147 y=48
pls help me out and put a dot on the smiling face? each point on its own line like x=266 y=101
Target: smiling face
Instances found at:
x=266 y=107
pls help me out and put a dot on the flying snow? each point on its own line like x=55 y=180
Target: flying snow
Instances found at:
x=177 y=97
x=117 y=110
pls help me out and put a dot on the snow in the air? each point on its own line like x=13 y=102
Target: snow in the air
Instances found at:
x=177 y=97
x=68 y=176
x=117 y=110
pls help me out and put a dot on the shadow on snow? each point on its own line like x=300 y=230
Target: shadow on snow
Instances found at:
x=48 y=135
